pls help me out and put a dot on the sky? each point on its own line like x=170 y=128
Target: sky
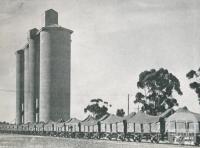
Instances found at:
x=113 y=42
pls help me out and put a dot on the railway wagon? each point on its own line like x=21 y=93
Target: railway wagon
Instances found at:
x=9 y=128
x=73 y=125
x=87 y=127
x=60 y=128
x=90 y=127
x=112 y=127
x=26 y=129
x=4 y=127
x=49 y=128
x=183 y=127
x=84 y=127
x=72 y=128
x=143 y=126
x=20 y=129
x=38 y=128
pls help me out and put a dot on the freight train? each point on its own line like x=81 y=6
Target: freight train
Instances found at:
x=181 y=127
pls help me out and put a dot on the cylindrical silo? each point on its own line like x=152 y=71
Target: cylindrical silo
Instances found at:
x=19 y=85
x=26 y=82
x=33 y=67
x=55 y=66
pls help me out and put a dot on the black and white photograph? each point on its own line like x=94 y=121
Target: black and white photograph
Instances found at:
x=99 y=73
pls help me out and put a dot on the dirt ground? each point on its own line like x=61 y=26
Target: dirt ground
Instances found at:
x=23 y=141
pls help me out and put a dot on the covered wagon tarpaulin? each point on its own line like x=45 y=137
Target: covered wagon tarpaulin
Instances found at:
x=39 y=126
x=65 y=123
x=20 y=127
x=33 y=126
x=26 y=126
x=50 y=126
x=142 y=118
x=72 y=125
x=10 y=127
x=110 y=124
x=183 y=121
x=142 y=122
x=167 y=113
x=93 y=124
x=129 y=116
x=90 y=124
x=15 y=127
x=60 y=125
x=86 y=123
x=130 y=126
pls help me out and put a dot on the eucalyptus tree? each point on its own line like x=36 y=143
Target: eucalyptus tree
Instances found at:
x=194 y=76
x=120 y=112
x=98 y=108
x=156 y=91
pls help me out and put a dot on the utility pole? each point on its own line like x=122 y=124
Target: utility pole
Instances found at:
x=128 y=103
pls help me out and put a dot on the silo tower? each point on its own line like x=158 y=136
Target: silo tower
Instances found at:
x=19 y=86
x=33 y=74
x=55 y=67
x=26 y=82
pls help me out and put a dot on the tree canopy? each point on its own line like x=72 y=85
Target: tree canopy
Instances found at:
x=158 y=87
x=98 y=108
x=120 y=112
x=195 y=84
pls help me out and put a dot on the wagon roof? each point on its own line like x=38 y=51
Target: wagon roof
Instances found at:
x=88 y=118
x=60 y=120
x=30 y=124
x=26 y=124
x=167 y=113
x=39 y=124
x=104 y=117
x=89 y=121
x=183 y=114
x=50 y=122
x=141 y=117
x=129 y=116
x=72 y=120
x=112 y=119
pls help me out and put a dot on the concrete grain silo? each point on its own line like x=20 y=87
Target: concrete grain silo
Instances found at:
x=19 y=86
x=55 y=66
x=26 y=82
x=33 y=70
